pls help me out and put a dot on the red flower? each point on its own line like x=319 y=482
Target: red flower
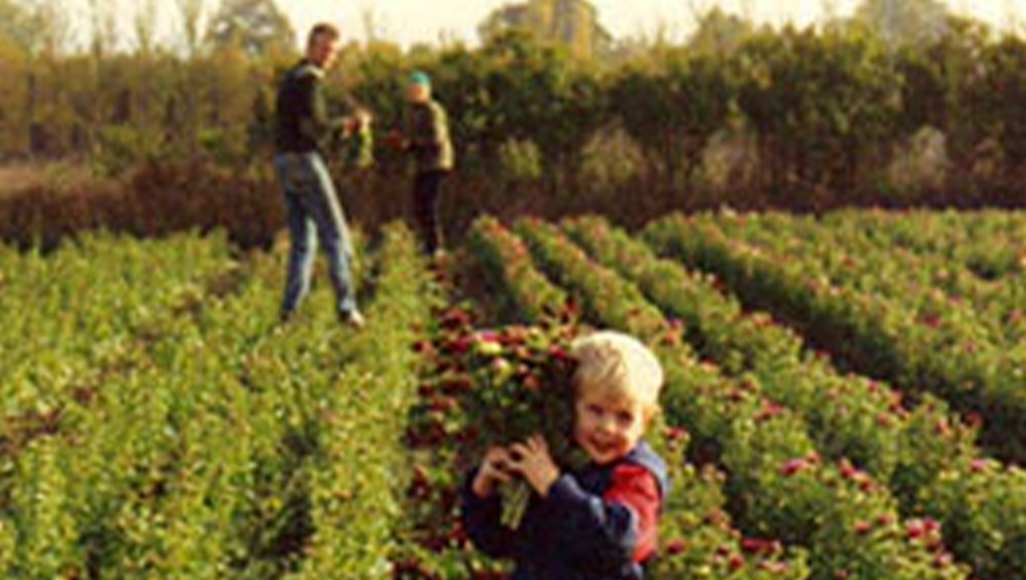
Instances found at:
x=792 y=466
x=973 y=419
x=915 y=529
x=676 y=546
x=422 y=346
x=931 y=525
x=559 y=353
x=675 y=433
x=862 y=527
x=487 y=336
x=942 y=559
x=769 y=409
x=717 y=518
x=773 y=566
x=759 y=546
x=735 y=562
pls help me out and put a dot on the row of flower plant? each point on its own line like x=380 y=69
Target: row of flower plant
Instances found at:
x=938 y=288
x=848 y=415
x=68 y=313
x=920 y=452
x=878 y=335
x=517 y=291
x=226 y=446
x=779 y=485
x=990 y=243
x=985 y=539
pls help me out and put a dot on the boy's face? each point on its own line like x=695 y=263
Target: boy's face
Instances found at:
x=607 y=427
x=417 y=92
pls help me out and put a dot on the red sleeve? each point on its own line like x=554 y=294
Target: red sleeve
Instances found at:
x=636 y=488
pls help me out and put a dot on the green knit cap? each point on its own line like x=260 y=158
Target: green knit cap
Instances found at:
x=419 y=77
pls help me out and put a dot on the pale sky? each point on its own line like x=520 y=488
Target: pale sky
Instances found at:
x=411 y=21
x=425 y=20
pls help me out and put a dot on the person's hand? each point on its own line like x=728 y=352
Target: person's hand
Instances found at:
x=395 y=140
x=494 y=469
x=532 y=461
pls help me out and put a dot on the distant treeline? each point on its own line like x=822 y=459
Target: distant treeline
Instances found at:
x=795 y=118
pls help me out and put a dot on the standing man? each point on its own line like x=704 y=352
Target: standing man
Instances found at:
x=427 y=138
x=311 y=203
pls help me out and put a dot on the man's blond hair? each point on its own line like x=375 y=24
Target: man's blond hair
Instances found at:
x=615 y=364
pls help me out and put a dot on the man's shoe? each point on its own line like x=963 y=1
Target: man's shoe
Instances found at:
x=354 y=319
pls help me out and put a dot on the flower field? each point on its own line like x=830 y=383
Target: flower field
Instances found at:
x=845 y=397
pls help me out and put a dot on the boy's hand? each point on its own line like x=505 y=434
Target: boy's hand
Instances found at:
x=395 y=140
x=532 y=461
x=495 y=469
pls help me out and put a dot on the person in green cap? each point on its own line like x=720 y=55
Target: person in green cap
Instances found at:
x=426 y=138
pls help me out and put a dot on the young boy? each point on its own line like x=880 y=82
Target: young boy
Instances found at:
x=598 y=523
x=426 y=137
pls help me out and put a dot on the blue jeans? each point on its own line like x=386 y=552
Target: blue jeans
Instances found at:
x=312 y=206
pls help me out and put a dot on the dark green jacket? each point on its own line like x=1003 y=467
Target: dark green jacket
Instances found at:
x=302 y=124
x=427 y=128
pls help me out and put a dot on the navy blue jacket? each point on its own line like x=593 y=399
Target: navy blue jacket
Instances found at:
x=581 y=531
x=302 y=124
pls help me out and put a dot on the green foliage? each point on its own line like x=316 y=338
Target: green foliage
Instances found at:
x=820 y=105
x=537 y=94
x=672 y=109
x=156 y=424
x=18 y=26
x=1002 y=90
x=829 y=108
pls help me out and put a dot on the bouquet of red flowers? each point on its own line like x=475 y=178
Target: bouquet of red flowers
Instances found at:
x=521 y=385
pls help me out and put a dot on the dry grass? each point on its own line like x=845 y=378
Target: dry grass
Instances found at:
x=52 y=176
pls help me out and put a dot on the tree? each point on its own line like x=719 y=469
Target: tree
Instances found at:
x=34 y=27
x=13 y=123
x=821 y=106
x=904 y=22
x=104 y=27
x=538 y=93
x=145 y=26
x=16 y=25
x=673 y=108
x=192 y=13
x=1001 y=94
x=258 y=27
x=719 y=33
x=941 y=88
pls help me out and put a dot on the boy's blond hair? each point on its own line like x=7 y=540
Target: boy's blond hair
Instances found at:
x=615 y=364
